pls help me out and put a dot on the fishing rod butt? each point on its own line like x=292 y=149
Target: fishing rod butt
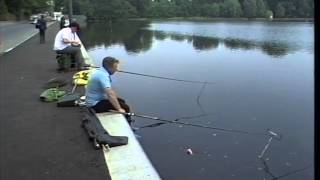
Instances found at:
x=277 y=136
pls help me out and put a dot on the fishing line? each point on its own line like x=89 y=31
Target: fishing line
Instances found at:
x=194 y=117
x=274 y=177
x=292 y=172
x=266 y=169
x=198 y=97
x=167 y=78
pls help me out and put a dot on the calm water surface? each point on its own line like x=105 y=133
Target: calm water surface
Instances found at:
x=263 y=79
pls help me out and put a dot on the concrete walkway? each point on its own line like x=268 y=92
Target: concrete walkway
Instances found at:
x=39 y=140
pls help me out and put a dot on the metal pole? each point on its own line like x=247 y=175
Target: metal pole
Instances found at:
x=70 y=11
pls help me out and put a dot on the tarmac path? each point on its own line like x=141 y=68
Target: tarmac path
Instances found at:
x=13 y=34
x=39 y=140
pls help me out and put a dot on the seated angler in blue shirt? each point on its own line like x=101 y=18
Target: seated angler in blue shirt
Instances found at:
x=100 y=96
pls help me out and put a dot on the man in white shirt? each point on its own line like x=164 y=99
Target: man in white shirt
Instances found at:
x=68 y=42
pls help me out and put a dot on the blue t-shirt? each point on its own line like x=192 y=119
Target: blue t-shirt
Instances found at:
x=98 y=82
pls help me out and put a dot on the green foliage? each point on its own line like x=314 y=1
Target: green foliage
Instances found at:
x=290 y=9
x=269 y=14
x=261 y=9
x=141 y=6
x=183 y=9
x=111 y=10
x=304 y=8
x=3 y=8
x=161 y=8
x=231 y=8
x=279 y=11
x=115 y=9
x=4 y=14
x=249 y=8
x=23 y=8
x=210 y=10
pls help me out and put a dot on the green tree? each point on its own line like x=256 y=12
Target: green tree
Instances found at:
x=141 y=6
x=290 y=9
x=269 y=14
x=15 y=7
x=303 y=8
x=35 y=6
x=183 y=10
x=279 y=11
x=23 y=8
x=231 y=8
x=162 y=8
x=249 y=8
x=312 y=9
x=58 y=4
x=3 y=10
x=111 y=10
x=261 y=8
x=210 y=10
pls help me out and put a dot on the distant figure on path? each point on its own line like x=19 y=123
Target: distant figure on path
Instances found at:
x=100 y=96
x=68 y=42
x=62 y=22
x=42 y=26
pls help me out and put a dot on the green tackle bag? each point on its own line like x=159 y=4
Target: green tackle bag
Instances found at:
x=51 y=94
x=68 y=100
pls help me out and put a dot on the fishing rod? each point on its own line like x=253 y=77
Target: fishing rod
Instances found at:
x=177 y=119
x=161 y=77
x=270 y=133
x=167 y=78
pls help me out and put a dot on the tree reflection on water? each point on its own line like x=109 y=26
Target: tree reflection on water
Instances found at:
x=136 y=38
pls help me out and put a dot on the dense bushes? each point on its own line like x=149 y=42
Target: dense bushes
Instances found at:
x=113 y=9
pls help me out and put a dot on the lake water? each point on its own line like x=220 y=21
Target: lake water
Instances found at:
x=262 y=76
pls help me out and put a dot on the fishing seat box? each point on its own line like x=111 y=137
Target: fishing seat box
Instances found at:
x=65 y=61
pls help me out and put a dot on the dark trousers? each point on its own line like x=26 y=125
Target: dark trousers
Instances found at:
x=42 y=36
x=74 y=52
x=105 y=106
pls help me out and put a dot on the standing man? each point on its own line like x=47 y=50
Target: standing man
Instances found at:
x=68 y=42
x=62 y=22
x=42 y=26
x=100 y=96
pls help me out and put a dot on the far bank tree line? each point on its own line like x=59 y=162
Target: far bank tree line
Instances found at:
x=113 y=9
